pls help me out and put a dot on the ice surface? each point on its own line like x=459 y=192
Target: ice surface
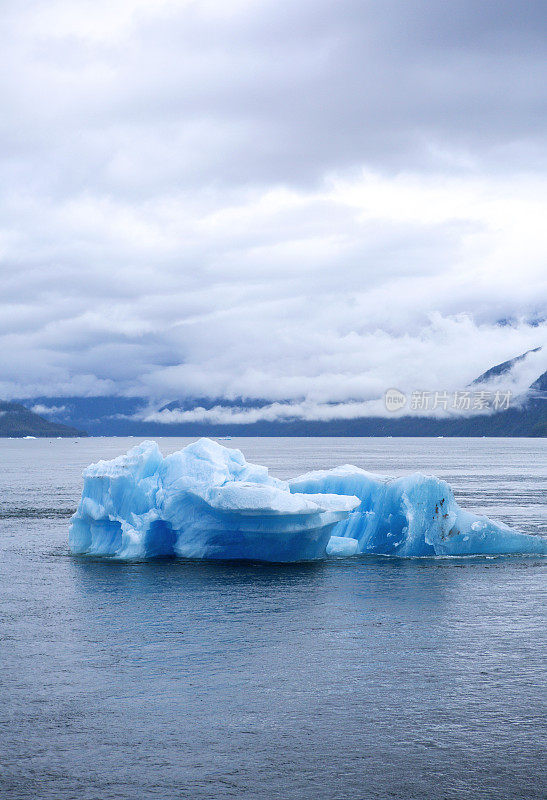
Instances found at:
x=342 y=546
x=416 y=515
x=204 y=501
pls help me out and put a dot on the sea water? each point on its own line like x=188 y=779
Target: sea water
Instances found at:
x=353 y=678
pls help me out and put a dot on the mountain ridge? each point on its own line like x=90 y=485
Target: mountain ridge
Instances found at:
x=17 y=421
x=124 y=416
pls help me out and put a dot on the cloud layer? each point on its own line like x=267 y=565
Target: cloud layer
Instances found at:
x=310 y=201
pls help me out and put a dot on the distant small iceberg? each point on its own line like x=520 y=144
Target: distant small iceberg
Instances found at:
x=207 y=502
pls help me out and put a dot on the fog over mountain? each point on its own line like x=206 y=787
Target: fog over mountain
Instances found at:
x=307 y=202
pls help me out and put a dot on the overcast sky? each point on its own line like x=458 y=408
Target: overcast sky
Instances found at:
x=311 y=200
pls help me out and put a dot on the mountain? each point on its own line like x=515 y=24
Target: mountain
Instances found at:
x=99 y=416
x=189 y=403
x=125 y=416
x=540 y=385
x=18 y=421
x=502 y=369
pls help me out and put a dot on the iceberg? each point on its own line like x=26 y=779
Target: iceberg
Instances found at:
x=204 y=501
x=207 y=502
x=416 y=515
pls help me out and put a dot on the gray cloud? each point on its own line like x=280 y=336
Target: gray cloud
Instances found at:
x=286 y=200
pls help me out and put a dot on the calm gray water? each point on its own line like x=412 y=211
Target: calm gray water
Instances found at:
x=350 y=679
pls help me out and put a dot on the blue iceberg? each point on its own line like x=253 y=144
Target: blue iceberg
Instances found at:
x=416 y=515
x=204 y=501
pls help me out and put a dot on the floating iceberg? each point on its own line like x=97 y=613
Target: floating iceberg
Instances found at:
x=204 y=501
x=416 y=515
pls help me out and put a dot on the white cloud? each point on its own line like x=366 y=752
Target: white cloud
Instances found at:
x=309 y=201
x=40 y=408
